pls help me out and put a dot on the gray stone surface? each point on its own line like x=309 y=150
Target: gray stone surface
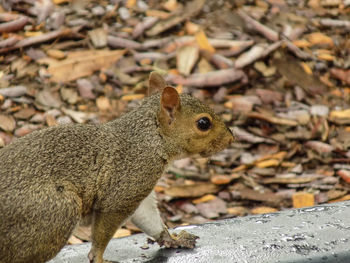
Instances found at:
x=316 y=234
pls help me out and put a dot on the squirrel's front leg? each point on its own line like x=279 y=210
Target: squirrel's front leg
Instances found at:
x=148 y=219
x=103 y=228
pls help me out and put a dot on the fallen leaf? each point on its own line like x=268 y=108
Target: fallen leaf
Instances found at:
x=195 y=190
x=48 y=98
x=7 y=122
x=302 y=199
x=213 y=208
x=74 y=240
x=25 y=113
x=203 y=42
x=14 y=91
x=318 y=38
x=221 y=179
x=81 y=63
x=237 y=211
x=186 y=58
x=131 y=97
x=343 y=75
x=268 y=163
x=122 y=232
x=345 y=175
x=263 y=210
x=204 y=199
x=103 y=103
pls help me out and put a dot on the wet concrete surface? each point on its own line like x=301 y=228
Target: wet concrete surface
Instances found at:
x=315 y=234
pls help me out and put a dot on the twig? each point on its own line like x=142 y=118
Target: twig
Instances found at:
x=335 y=23
x=262 y=29
x=9 y=41
x=153 y=43
x=213 y=78
x=118 y=42
x=37 y=39
x=144 y=25
x=14 y=25
x=218 y=60
x=191 y=9
x=152 y=55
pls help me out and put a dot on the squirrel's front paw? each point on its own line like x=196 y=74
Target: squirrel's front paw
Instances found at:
x=183 y=239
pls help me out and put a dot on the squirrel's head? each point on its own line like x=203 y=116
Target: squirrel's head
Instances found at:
x=188 y=124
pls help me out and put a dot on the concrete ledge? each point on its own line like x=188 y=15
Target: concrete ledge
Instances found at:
x=314 y=234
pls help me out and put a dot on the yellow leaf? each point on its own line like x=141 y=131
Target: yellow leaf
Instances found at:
x=342 y=114
x=306 y=68
x=191 y=28
x=318 y=38
x=325 y=56
x=203 y=41
x=130 y=3
x=288 y=164
x=122 y=232
x=159 y=189
x=242 y=167
x=170 y=5
x=344 y=198
x=179 y=88
x=133 y=97
x=103 y=103
x=268 y=163
x=302 y=43
x=33 y=33
x=302 y=199
x=220 y=179
x=204 y=199
x=57 y=2
x=263 y=210
x=73 y=240
x=237 y=210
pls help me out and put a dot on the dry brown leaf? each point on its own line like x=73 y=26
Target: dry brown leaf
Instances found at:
x=195 y=190
x=25 y=113
x=7 y=123
x=186 y=58
x=341 y=74
x=302 y=199
x=81 y=63
x=103 y=103
x=293 y=180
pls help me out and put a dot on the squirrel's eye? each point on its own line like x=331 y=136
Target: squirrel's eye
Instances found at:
x=204 y=124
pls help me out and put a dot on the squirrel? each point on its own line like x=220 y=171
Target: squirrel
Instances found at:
x=51 y=179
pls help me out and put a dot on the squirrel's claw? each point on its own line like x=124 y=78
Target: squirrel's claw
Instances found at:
x=183 y=240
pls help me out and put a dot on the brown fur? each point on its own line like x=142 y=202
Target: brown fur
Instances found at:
x=52 y=178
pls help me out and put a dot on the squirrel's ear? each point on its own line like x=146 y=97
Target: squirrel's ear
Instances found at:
x=156 y=83
x=170 y=103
